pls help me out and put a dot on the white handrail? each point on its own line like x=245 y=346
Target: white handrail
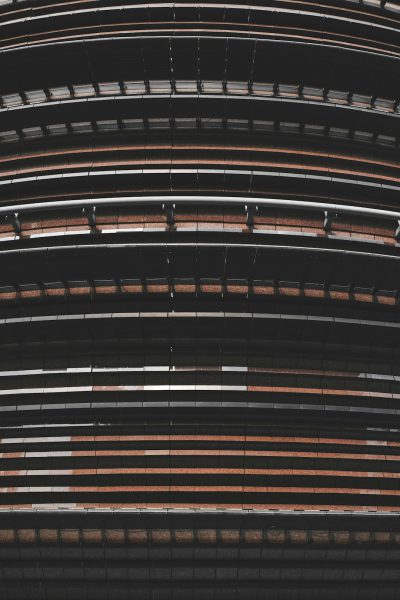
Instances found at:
x=203 y=200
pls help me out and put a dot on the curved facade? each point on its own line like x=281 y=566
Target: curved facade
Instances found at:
x=199 y=280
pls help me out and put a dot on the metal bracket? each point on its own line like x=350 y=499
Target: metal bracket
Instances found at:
x=329 y=217
x=251 y=209
x=13 y=218
x=90 y=213
x=397 y=232
x=169 y=209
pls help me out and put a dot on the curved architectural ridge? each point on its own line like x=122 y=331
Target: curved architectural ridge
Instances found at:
x=199 y=300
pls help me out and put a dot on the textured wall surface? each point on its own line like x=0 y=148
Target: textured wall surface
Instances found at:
x=199 y=300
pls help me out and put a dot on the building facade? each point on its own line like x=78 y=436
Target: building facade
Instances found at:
x=199 y=300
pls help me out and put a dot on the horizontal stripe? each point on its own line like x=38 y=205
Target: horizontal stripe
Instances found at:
x=199 y=489
x=196 y=452
x=200 y=438
x=199 y=388
x=329 y=508
x=141 y=471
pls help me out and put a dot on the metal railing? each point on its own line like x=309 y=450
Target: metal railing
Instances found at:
x=330 y=211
